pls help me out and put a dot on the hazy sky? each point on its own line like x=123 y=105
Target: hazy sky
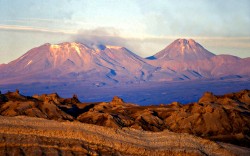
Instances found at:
x=143 y=26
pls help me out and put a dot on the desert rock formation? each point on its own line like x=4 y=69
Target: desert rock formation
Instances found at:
x=224 y=118
x=47 y=137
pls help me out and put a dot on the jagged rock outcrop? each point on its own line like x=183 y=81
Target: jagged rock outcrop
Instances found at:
x=117 y=100
x=208 y=97
x=44 y=106
x=73 y=100
x=222 y=118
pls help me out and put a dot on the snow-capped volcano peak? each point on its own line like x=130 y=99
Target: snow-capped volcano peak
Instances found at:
x=53 y=56
x=183 y=49
x=67 y=46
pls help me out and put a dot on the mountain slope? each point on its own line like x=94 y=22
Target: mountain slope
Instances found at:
x=187 y=60
x=226 y=65
x=184 y=50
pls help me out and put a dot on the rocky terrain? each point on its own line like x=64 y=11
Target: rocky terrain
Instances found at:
x=35 y=136
x=224 y=118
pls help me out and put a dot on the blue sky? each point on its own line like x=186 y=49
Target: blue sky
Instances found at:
x=143 y=26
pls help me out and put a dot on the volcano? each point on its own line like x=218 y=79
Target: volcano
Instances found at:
x=76 y=61
x=188 y=60
x=185 y=50
x=106 y=64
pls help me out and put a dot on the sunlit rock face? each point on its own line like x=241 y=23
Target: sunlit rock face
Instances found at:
x=221 y=118
x=120 y=128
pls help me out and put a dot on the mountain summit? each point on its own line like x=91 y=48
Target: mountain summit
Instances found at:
x=183 y=49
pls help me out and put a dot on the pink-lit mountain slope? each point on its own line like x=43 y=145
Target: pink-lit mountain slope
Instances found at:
x=184 y=50
x=187 y=59
x=75 y=62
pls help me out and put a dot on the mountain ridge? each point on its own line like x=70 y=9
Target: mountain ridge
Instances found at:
x=76 y=58
x=181 y=60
